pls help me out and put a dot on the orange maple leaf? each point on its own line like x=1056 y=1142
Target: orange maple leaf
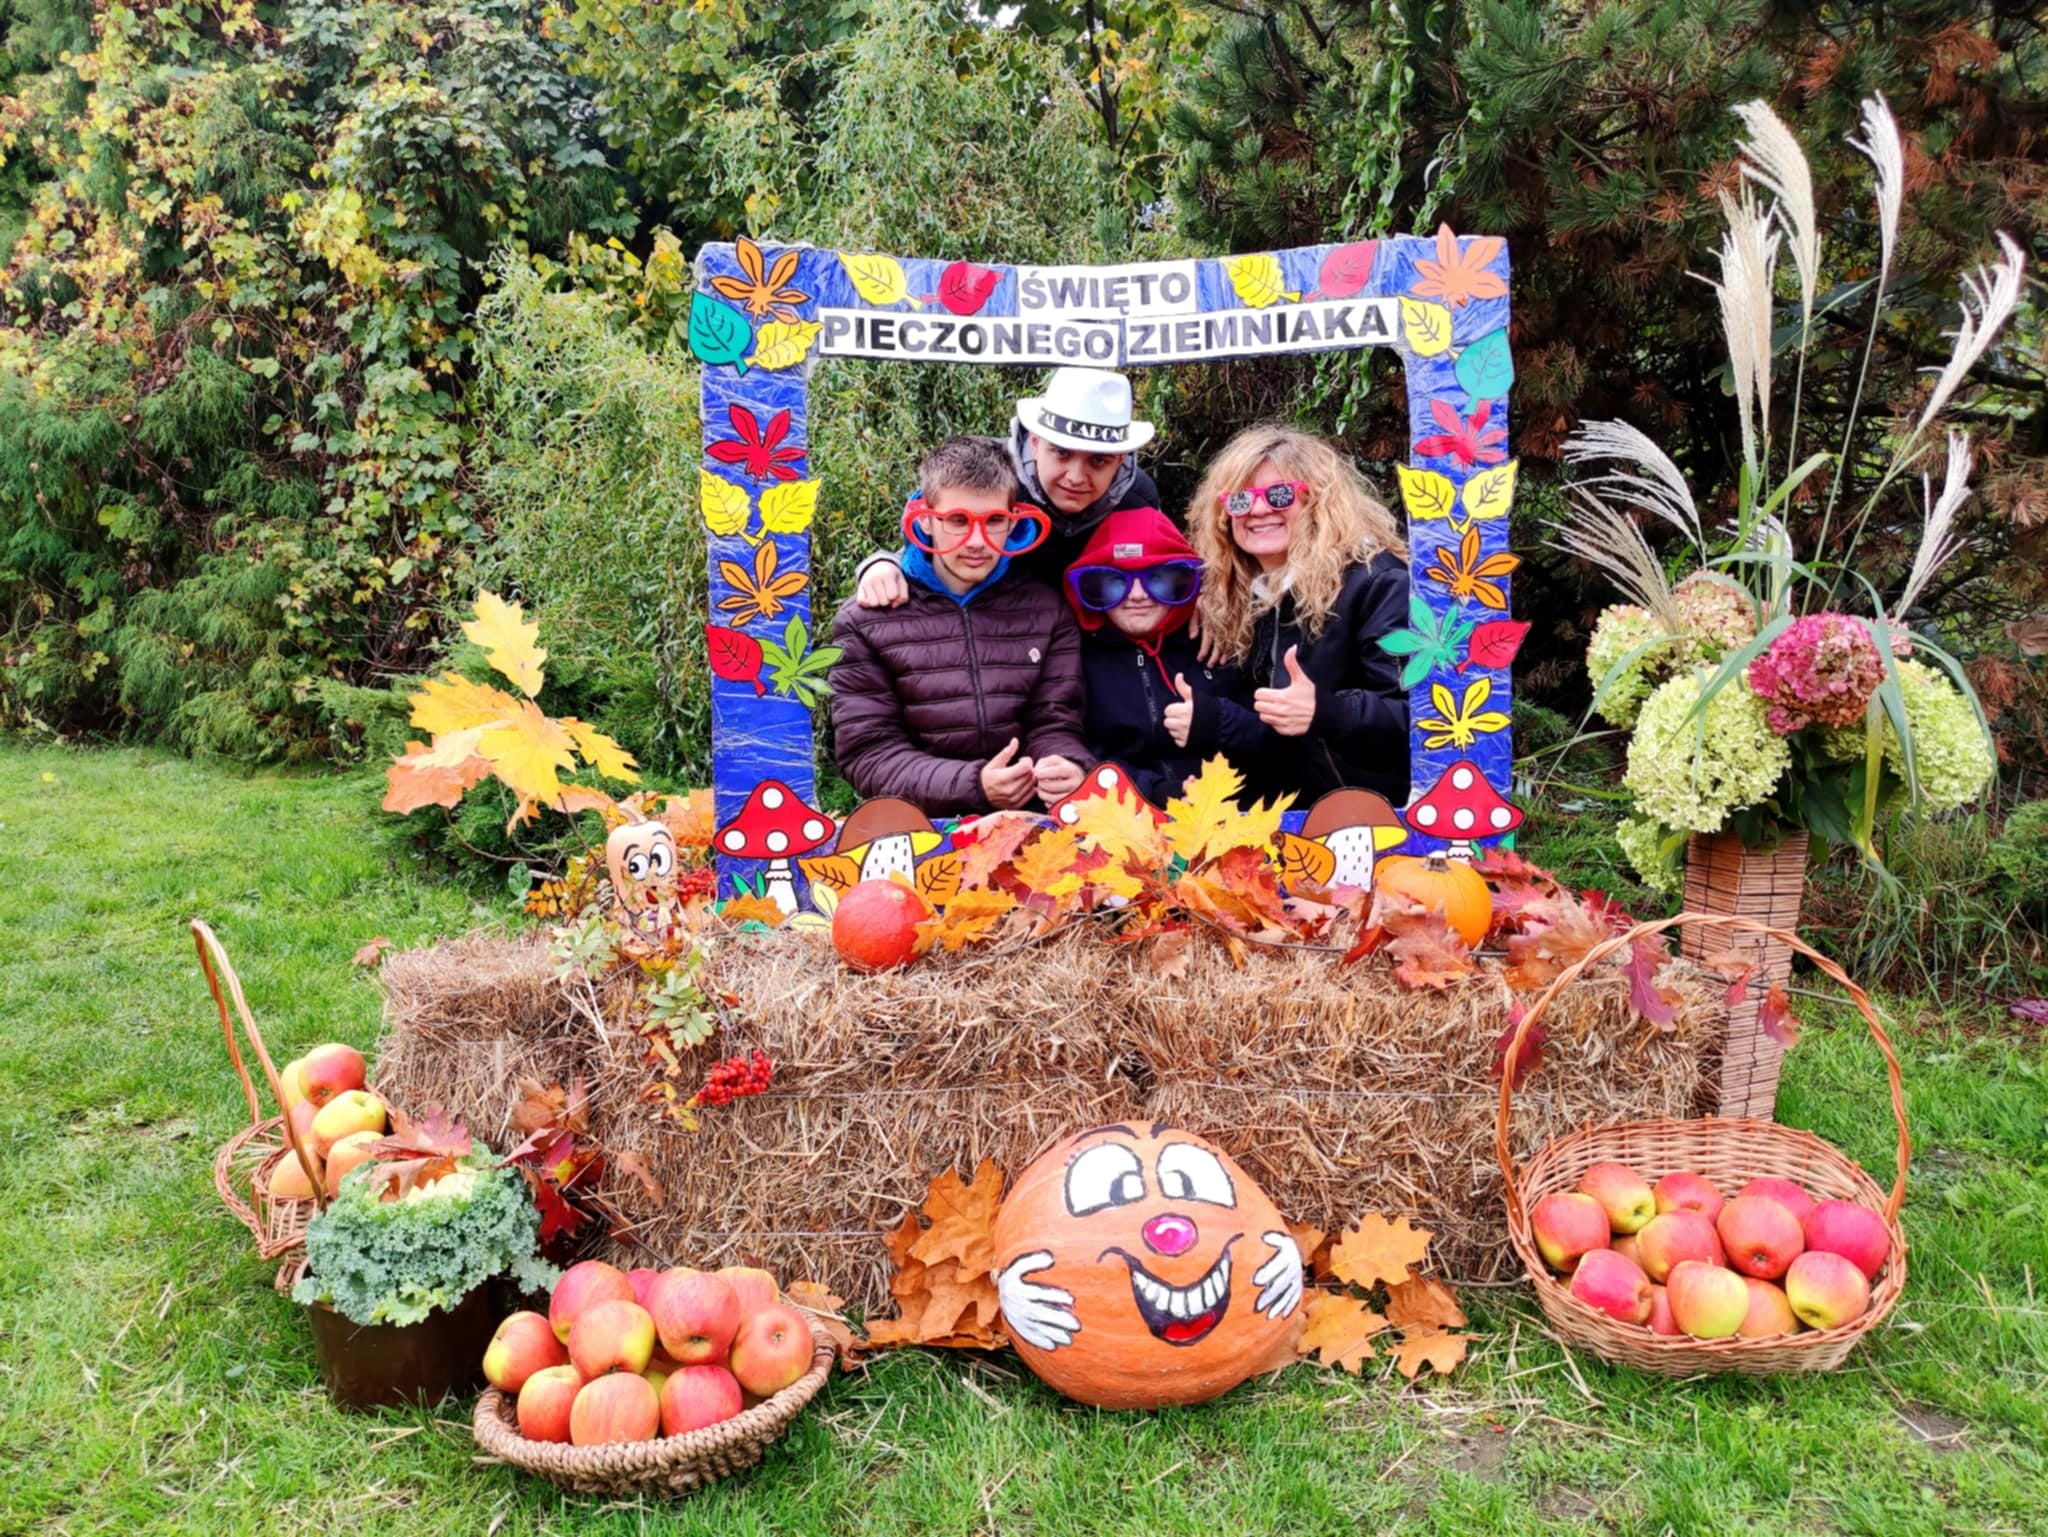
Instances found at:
x=1440 y=1351
x=1341 y=1329
x=1045 y=866
x=412 y=784
x=997 y=837
x=1459 y=276
x=1378 y=1249
x=1420 y=1303
x=968 y=917
x=963 y=1218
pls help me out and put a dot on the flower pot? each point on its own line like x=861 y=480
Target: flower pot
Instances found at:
x=1722 y=875
x=375 y=1366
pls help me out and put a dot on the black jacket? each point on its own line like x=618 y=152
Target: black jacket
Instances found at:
x=1125 y=721
x=1360 y=734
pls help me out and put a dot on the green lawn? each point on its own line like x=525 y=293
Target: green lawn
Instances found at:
x=153 y=1380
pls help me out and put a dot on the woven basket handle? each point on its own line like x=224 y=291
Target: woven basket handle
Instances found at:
x=211 y=955
x=1728 y=921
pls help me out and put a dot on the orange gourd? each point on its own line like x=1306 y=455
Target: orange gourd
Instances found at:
x=874 y=927
x=1140 y=1266
x=1434 y=882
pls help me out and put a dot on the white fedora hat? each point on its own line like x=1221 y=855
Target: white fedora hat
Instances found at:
x=1087 y=409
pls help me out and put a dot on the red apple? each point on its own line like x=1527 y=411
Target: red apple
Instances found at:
x=1622 y=1193
x=642 y=1282
x=583 y=1285
x=1783 y=1191
x=1769 y=1313
x=545 y=1401
x=620 y=1406
x=1855 y=1232
x=697 y=1396
x=755 y=1288
x=1707 y=1301
x=1762 y=1238
x=611 y=1336
x=1568 y=1226
x=1826 y=1290
x=696 y=1315
x=1616 y=1286
x=1687 y=1192
x=349 y=1112
x=1661 y=1321
x=330 y=1071
x=1625 y=1246
x=1673 y=1237
x=523 y=1345
x=772 y=1350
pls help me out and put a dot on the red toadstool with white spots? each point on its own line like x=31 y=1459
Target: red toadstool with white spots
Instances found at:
x=775 y=825
x=1462 y=806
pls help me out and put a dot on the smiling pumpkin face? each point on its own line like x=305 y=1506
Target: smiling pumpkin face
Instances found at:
x=1140 y=1266
x=641 y=859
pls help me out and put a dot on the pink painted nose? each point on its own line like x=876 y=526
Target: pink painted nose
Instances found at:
x=1170 y=1233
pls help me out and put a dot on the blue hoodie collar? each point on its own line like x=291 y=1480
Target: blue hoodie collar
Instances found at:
x=917 y=567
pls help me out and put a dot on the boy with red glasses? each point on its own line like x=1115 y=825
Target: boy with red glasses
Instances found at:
x=1133 y=590
x=966 y=697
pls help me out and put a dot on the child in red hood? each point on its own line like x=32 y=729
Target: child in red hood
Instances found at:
x=1133 y=591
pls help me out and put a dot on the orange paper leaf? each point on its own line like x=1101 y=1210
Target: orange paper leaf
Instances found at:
x=1458 y=276
x=1378 y=1249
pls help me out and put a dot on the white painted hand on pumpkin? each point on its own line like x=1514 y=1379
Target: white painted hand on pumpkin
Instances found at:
x=1279 y=1279
x=1042 y=1315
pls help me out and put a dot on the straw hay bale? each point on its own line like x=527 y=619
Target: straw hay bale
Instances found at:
x=1338 y=1090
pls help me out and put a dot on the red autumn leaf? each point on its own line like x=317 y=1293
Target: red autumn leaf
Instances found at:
x=420 y=1150
x=1610 y=912
x=1494 y=643
x=556 y=1214
x=1496 y=862
x=1776 y=1018
x=756 y=450
x=1735 y=967
x=1469 y=441
x=1346 y=270
x=735 y=656
x=1649 y=1000
x=964 y=288
x=1529 y=1058
x=1370 y=938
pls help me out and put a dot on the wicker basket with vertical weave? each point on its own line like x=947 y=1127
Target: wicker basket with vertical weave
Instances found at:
x=1729 y=1153
x=665 y=1465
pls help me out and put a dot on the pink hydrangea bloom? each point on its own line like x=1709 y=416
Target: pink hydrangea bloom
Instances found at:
x=1824 y=668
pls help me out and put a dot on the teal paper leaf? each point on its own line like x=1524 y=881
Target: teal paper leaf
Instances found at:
x=1485 y=369
x=718 y=332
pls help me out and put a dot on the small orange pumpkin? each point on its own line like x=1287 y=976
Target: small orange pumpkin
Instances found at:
x=1140 y=1266
x=1434 y=882
x=874 y=927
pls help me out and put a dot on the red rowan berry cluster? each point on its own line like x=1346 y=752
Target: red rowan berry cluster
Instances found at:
x=735 y=1078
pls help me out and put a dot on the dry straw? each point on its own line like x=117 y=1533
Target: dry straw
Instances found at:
x=1338 y=1090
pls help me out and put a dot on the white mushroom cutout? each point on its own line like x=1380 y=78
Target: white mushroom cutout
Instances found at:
x=1460 y=807
x=887 y=836
x=1356 y=826
x=777 y=826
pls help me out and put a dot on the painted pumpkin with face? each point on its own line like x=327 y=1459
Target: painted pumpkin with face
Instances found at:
x=641 y=860
x=1139 y=1266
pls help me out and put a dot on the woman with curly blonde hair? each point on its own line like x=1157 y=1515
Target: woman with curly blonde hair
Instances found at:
x=1303 y=570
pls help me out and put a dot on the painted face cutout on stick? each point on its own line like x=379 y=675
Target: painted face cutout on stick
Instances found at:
x=1140 y=1266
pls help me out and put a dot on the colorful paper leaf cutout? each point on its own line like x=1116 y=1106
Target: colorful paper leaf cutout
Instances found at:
x=877 y=279
x=1457 y=723
x=964 y=287
x=718 y=332
x=1258 y=279
x=1468 y=576
x=1430 y=643
x=1427 y=495
x=785 y=343
x=1345 y=270
x=726 y=507
x=758 y=450
x=759 y=594
x=761 y=292
x=829 y=875
x=735 y=657
x=1486 y=368
x=1426 y=328
x=1467 y=439
x=1489 y=493
x=787 y=509
x=1459 y=274
x=509 y=640
x=1495 y=643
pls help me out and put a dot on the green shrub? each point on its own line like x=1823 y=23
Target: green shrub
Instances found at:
x=2020 y=856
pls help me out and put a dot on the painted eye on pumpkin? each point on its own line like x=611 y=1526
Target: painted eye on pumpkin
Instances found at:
x=1190 y=1173
x=1105 y=1175
x=659 y=859
x=636 y=866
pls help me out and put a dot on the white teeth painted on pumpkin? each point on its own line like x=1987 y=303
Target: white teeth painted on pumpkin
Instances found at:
x=1177 y=1304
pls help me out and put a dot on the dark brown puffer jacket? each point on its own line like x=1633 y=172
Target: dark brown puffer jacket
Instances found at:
x=928 y=692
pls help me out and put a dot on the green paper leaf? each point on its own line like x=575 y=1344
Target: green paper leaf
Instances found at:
x=718 y=332
x=1486 y=368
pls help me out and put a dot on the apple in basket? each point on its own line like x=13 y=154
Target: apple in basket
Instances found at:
x=619 y=1406
x=772 y=1350
x=697 y=1396
x=523 y=1345
x=1661 y=1321
x=1783 y=1191
x=353 y=1149
x=642 y=1282
x=583 y=1285
x=545 y=1402
x=611 y=1337
x=288 y=1180
x=1687 y=1192
x=1566 y=1227
x=696 y=1314
x=755 y=1288
x=1672 y=1238
x=1762 y=1238
x=344 y=1115
x=1615 y=1286
x=1769 y=1312
x=1855 y=1232
x=330 y=1071
x=1708 y=1302
x=1622 y=1193
x=1826 y=1290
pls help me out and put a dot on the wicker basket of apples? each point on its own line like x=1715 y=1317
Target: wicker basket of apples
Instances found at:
x=1693 y=1247
x=653 y=1382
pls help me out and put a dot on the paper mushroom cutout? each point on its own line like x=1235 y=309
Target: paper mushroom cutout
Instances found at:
x=777 y=826
x=641 y=859
x=1355 y=827
x=886 y=836
x=1139 y=1266
x=1462 y=806
x=1105 y=780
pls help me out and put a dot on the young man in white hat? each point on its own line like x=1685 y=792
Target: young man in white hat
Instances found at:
x=1075 y=451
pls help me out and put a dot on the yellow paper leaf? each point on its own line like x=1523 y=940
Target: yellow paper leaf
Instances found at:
x=784 y=343
x=510 y=641
x=600 y=751
x=1258 y=279
x=1426 y=328
x=877 y=279
x=829 y=875
x=530 y=751
x=787 y=508
x=1489 y=493
x=726 y=506
x=1426 y=494
x=451 y=703
x=1205 y=819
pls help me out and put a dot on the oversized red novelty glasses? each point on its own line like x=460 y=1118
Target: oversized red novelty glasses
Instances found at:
x=1279 y=496
x=1020 y=529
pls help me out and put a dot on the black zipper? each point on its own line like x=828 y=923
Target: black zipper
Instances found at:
x=974 y=680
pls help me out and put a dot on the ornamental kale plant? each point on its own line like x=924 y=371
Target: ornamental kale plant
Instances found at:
x=394 y=1262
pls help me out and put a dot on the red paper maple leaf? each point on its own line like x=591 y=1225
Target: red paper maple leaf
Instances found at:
x=757 y=451
x=1468 y=440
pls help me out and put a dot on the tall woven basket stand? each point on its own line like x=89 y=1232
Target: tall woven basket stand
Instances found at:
x=1727 y=1152
x=1724 y=876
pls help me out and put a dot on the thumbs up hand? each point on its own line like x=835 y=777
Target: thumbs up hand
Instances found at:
x=1180 y=717
x=1290 y=710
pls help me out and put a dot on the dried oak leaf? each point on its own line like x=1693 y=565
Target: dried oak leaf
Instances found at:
x=817 y=1301
x=373 y=952
x=1421 y=1303
x=636 y=1166
x=963 y=1218
x=550 y=1107
x=970 y=916
x=1378 y=1249
x=1314 y=1244
x=1436 y=1349
x=1341 y=1329
x=1426 y=953
x=1170 y=955
x=1557 y=932
x=752 y=909
x=1735 y=967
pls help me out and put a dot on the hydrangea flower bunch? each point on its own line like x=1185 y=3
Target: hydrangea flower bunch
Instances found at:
x=1824 y=667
